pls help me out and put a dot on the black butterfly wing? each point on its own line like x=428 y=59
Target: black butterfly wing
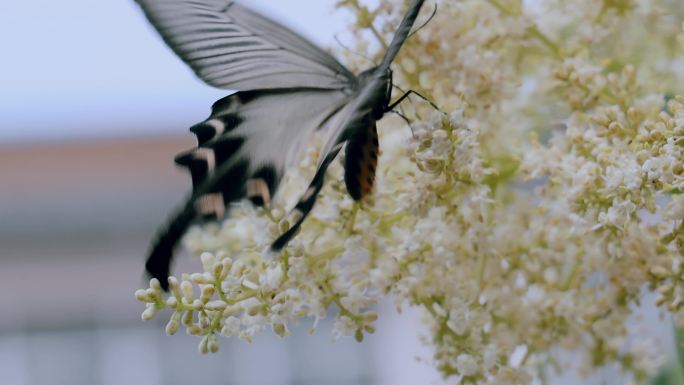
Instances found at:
x=232 y=47
x=243 y=150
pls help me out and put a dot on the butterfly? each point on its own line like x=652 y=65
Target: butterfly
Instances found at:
x=287 y=88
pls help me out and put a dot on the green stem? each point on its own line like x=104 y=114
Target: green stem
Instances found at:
x=285 y=258
x=545 y=40
x=335 y=298
x=239 y=298
x=502 y=8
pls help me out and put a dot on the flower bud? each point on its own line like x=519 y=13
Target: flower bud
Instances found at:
x=231 y=310
x=186 y=288
x=207 y=293
x=174 y=287
x=203 y=346
x=217 y=305
x=358 y=335
x=150 y=312
x=371 y=316
x=213 y=344
x=199 y=279
x=141 y=295
x=254 y=310
x=208 y=260
x=172 y=302
x=197 y=304
x=154 y=284
x=194 y=330
x=280 y=329
x=226 y=264
x=172 y=327
x=659 y=271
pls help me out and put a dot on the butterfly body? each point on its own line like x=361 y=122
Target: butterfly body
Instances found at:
x=287 y=89
x=362 y=148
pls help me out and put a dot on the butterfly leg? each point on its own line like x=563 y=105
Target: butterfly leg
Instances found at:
x=406 y=95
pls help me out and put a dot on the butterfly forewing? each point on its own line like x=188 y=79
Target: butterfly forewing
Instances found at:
x=229 y=46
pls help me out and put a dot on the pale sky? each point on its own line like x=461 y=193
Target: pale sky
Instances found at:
x=93 y=68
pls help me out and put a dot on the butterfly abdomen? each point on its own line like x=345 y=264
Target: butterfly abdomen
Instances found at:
x=361 y=160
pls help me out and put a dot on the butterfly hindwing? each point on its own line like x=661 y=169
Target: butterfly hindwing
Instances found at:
x=243 y=150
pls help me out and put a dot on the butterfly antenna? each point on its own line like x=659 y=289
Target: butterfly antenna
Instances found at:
x=352 y=51
x=434 y=12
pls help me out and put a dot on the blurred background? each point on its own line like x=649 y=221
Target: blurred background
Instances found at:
x=93 y=107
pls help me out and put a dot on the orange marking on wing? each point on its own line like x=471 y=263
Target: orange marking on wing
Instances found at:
x=211 y=204
x=258 y=188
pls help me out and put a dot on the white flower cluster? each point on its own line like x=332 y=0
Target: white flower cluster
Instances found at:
x=526 y=223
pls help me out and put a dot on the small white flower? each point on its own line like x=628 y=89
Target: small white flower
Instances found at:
x=271 y=278
x=489 y=358
x=231 y=326
x=344 y=327
x=517 y=356
x=458 y=320
x=466 y=365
